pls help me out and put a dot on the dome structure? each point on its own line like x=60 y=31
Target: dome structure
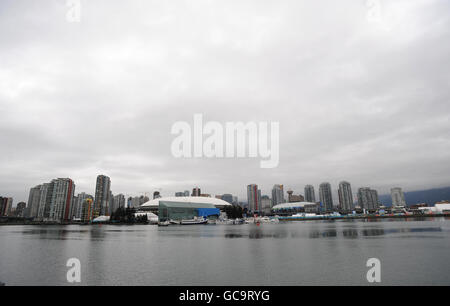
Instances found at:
x=154 y=203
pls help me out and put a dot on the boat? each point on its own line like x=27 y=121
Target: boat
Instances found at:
x=194 y=221
x=174 y=221
x=164 y=223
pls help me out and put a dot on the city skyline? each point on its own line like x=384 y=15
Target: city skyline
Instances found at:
x=360 y=100
x=335 y=193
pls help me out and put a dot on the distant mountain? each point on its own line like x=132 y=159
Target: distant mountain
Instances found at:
x=430 y=196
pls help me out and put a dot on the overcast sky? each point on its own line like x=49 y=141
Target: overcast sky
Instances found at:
x=361 y=94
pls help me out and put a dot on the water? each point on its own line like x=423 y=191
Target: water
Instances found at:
x=411 y=252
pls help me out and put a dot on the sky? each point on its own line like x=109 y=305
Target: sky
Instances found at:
x=360 y=89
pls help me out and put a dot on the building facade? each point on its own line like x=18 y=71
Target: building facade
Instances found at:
x=310 y=195
x=326 y=196
x=61 y=200
x=345 y=196
x=277 y=194
x=368 y=198
x=102 y=194
x=254 y=198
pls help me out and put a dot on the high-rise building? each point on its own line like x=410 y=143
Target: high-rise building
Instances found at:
x=310 y=195
x=6 y=206
x=111 y=205
x=345 y=196
x=398 y=197
x=62 y=196
x=33 y=201
x=119 y=201
x=196 y=192
x=326 y=196
x=277 y=195
x=266 y=204
x=102 y=194
x=254 y=198
x=45 y=199
x=86 y=210
x=80 y=204
x=368 y=198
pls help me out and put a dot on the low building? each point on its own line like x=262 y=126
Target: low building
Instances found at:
x=171 y=210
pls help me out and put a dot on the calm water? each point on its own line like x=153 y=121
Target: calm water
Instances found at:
x=296 y=253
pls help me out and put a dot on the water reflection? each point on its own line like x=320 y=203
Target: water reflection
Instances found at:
x=348 y=233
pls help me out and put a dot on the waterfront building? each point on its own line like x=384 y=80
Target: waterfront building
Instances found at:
x=368 y=198
x=186 y=193
x=398 y=197
x=345 y=196
x=179 y=194
x=33 y=201
x=61 y=201
x=102 y=194
x=80 y=203
x=87 y=210
x=277 y=194
x=310 y=195
x=45 y=199
x=326 y=196
x=254 y=198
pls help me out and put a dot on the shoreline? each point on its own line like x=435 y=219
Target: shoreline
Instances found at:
x=368 y=217
x=281 y=219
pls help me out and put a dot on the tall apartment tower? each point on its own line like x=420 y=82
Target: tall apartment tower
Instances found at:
x=345 y=196
x=254 y=198
x=326 y=196
x=81 y=203
x=277 y=195
x=45 y=200
x=119 y=201
x=398 y=197
x=368 y=198
x=33 y=202
x=310 y=195
x=102 y=194
x=62 y=197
